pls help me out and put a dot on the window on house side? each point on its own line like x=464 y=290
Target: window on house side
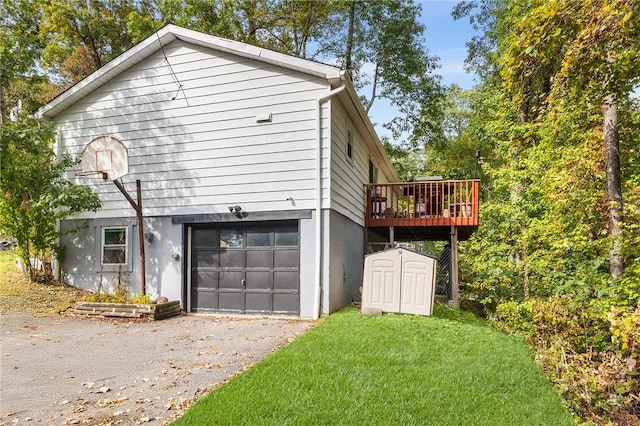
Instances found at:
x=114 y=246
x=349 y=144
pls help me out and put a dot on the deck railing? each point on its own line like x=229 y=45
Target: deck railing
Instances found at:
x=424 y=203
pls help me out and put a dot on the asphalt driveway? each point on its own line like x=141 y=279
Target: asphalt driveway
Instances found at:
x=64 y=370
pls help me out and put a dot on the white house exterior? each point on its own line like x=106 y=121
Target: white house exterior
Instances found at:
x=210 y=123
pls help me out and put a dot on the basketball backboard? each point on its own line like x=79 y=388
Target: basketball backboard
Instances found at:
x=105 y=157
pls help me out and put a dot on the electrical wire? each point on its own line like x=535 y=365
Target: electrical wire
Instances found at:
x=173 y=74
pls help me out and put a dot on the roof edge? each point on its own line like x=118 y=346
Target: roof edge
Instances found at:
x=166 y=35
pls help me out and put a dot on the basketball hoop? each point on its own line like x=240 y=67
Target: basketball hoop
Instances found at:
x=97 y=173
x=105 y=157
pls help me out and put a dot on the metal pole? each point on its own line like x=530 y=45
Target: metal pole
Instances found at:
x=455 y=293
x=143 y=273
x=138 y=208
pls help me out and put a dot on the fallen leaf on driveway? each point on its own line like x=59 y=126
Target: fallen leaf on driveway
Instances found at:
x=107 y=402
x=103 y=389
x=170 y=404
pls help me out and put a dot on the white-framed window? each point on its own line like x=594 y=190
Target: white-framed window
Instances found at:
x=349 y=144
x=114 y=245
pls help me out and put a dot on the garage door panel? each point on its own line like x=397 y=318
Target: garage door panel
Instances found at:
x=206 y=259
x=262 y=280
x=259 y=258
x=231 y=258
x=259 y=302
x=202 y=298
x=231 y=301
x=286 y=280
x=286 y=303
x=206 y=279
x=231 y=279
x=286 y=258
x=205 y=238
x=259 y=237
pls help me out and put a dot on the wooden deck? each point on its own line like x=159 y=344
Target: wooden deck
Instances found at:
x=426 y=210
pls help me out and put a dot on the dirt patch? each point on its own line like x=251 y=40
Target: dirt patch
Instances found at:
x=17 y=294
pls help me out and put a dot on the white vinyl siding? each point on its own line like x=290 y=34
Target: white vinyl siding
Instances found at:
x=348 y=175
x=204 y=152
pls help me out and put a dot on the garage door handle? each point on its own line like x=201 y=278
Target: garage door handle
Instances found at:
x=244 y=283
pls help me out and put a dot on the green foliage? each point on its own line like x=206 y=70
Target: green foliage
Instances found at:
x=545 y=221
x=82 y=35
x=592 y=358
x=19 y=42
x=20 y=48
x=34 y=193
x=625 y=331
x=540 y=260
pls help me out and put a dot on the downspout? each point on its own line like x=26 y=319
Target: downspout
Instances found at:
x=318 y=266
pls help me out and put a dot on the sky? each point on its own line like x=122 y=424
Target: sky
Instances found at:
x=445 y=38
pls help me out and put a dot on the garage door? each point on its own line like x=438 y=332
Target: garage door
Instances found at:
x=245 y=268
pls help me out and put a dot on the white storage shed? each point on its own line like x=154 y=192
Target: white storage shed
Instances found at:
x=399 y=280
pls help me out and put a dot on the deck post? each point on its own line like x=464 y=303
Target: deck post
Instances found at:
x=392 y=236
x=455 y=293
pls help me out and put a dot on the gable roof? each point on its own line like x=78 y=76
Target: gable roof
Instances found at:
x=169 y=33
x=163 y=37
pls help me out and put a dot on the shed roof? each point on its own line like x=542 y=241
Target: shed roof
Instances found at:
x=401 y=251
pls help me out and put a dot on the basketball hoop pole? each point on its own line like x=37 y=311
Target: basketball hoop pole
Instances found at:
x=137 y=206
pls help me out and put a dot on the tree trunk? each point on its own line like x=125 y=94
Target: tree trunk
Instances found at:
x=3 y=105
x=374 y=87
x=614 y=186
x=349 y=51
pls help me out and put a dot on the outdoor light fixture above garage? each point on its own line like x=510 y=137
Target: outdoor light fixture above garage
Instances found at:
x=236 y=210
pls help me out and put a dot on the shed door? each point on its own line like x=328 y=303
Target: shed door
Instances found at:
x=241 y=268
x=382 y=282
x=418 y=278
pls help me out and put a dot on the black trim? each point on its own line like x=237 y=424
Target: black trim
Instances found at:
x=246 y=217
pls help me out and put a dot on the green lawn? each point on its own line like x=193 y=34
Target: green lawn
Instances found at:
x=448 y=369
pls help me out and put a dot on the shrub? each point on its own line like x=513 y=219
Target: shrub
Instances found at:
x=590 y=356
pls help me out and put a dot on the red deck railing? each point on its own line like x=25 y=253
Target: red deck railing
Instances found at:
x=434 y=203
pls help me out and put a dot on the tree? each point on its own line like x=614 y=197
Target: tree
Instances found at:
x=199 y=15
x=20 y=48
x=581 y=50
x=83 y=35
x=35 y=194
x=385 y=36
x=382 y=36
